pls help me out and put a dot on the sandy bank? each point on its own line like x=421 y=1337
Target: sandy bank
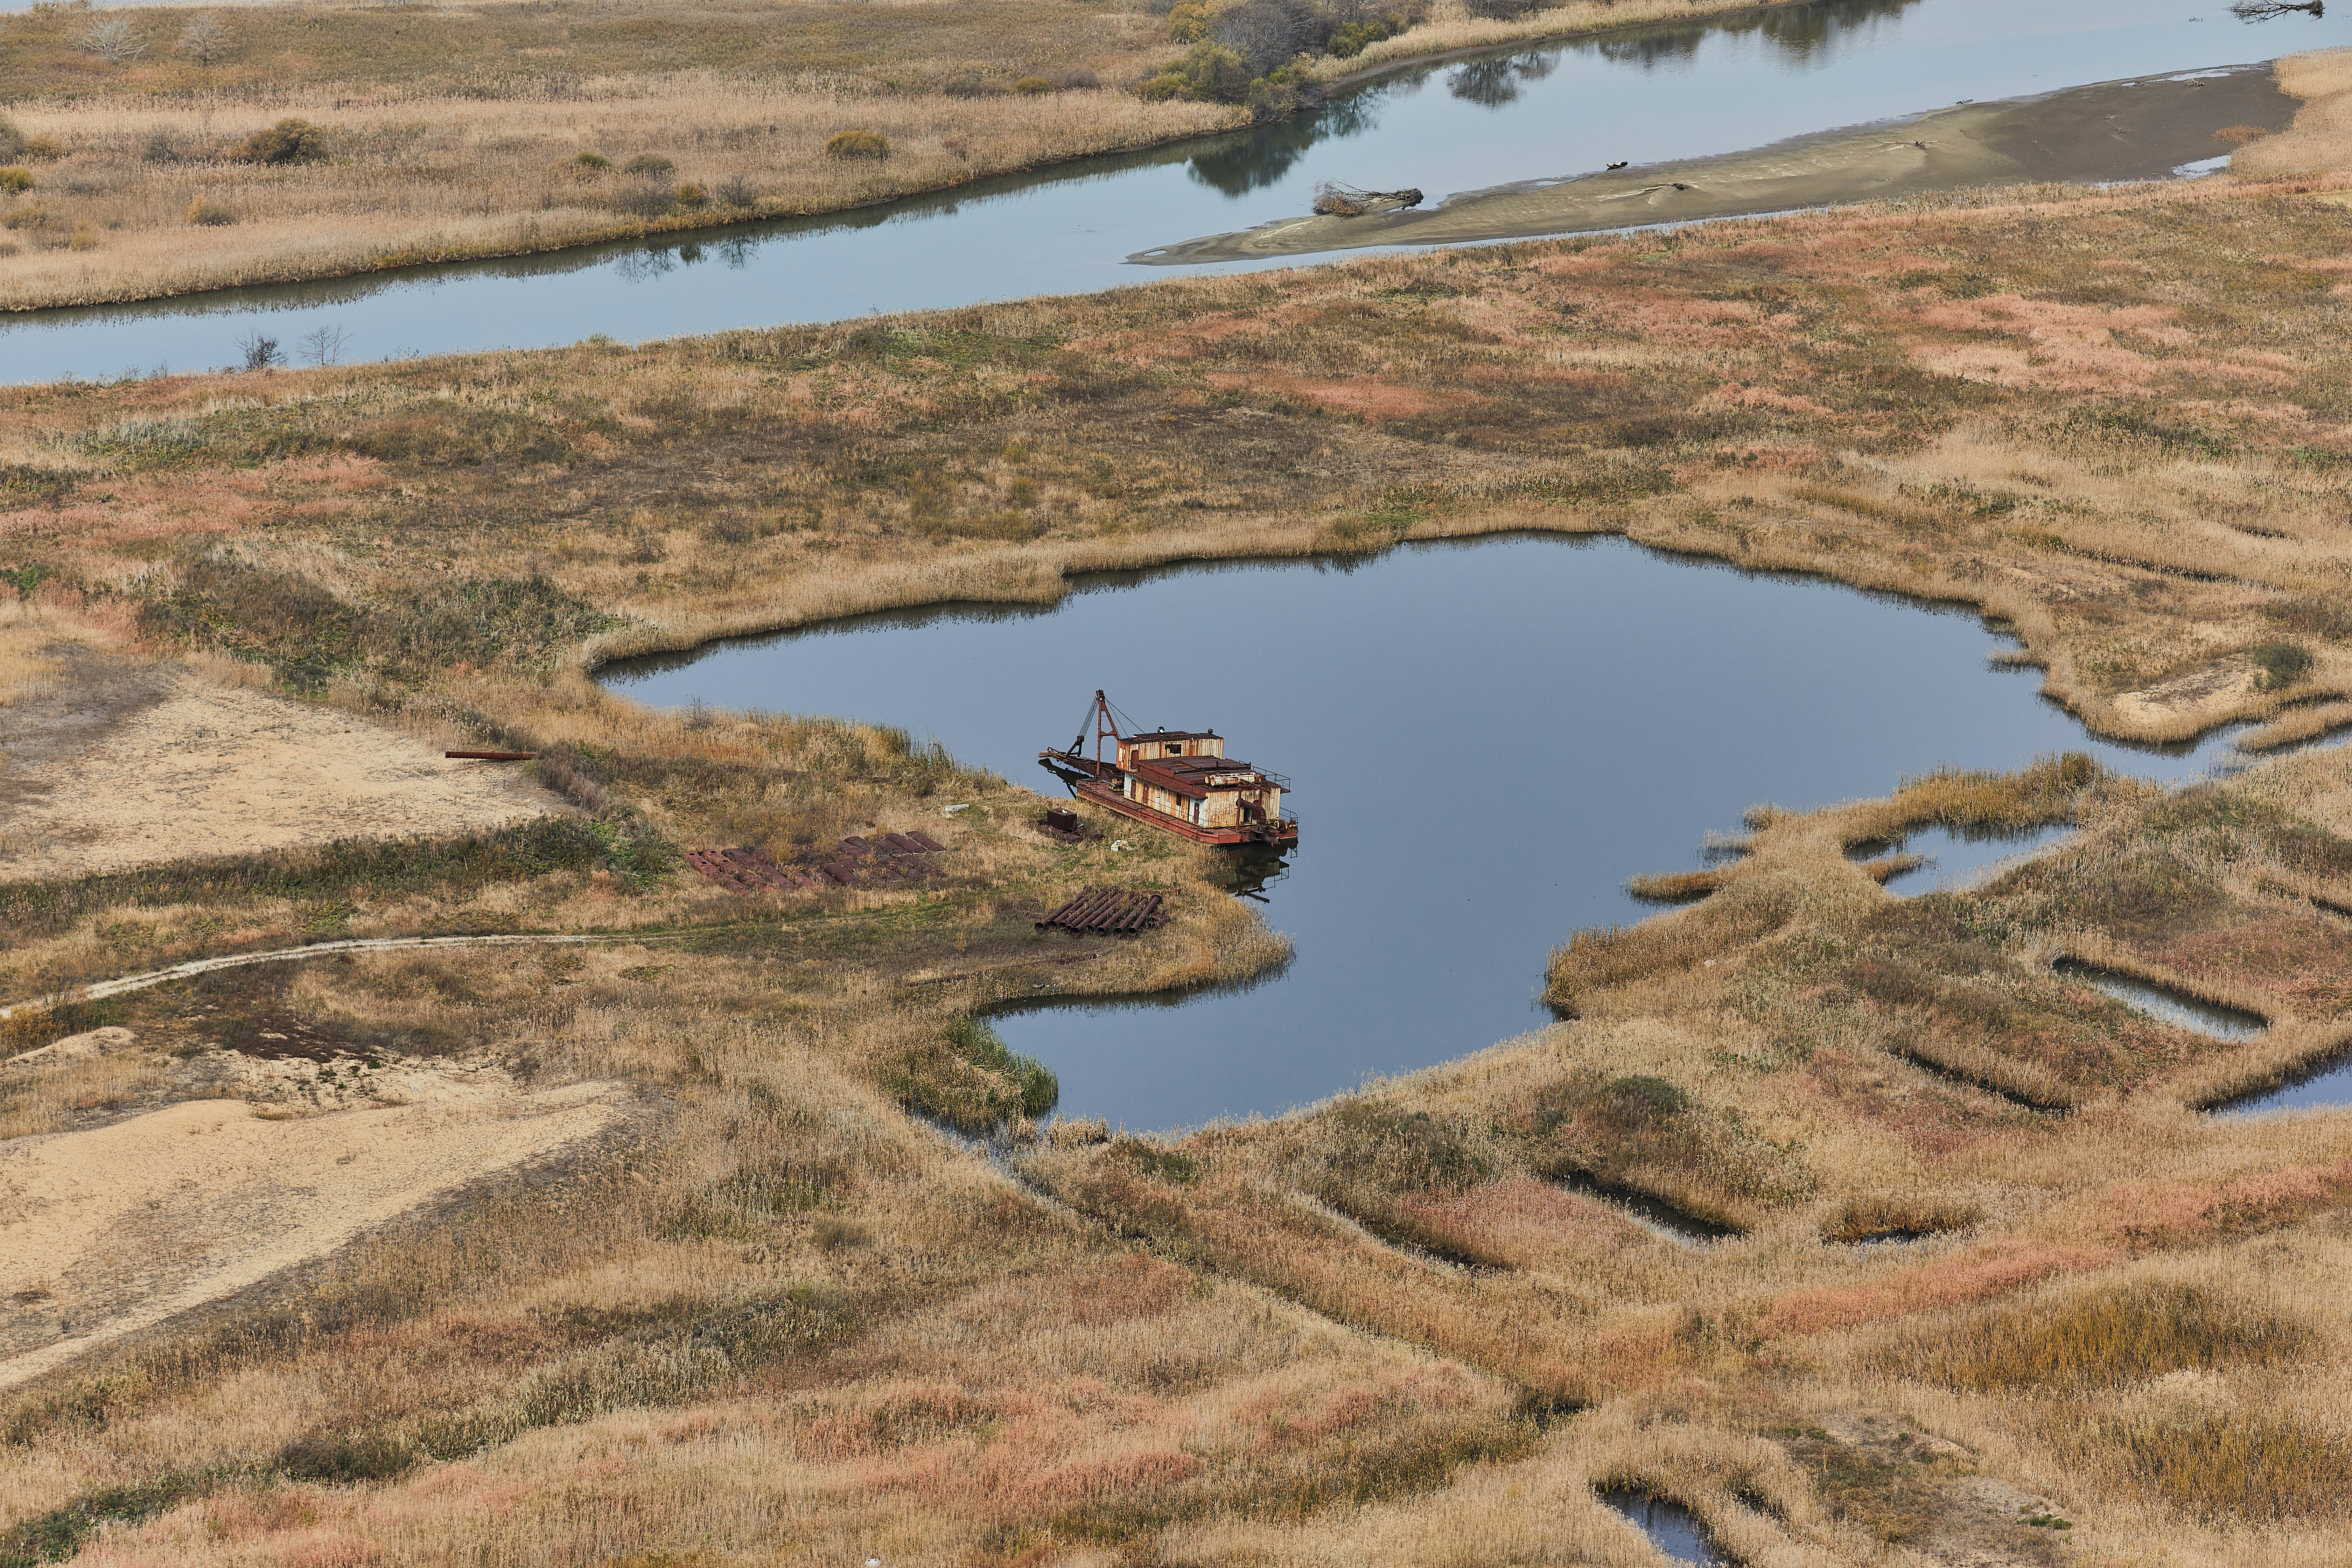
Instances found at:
x=107 y=1231
x=118 y=765
x=2139 y=129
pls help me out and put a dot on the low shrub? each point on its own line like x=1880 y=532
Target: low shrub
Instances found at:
x=2282 y=664
x=692 y=195
x=643 y=199
x=210 y=215
x=1030 y=86
x=649 y=166
x=736 y=192
x=16 y=179
x=595 y=161
x=12 y=140
x=46 y=149
x=84 y=238
x=1188 y=24
x=287 y=142
x=1352 y=37
x=856 y=145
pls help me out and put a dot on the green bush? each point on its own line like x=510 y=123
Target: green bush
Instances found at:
x=16 y=179
x=210 y=215
x=596 y=160
x=287 y=142
x=2282 y=664
x=856 y=145
x=693 y=196
x=1209 y=73
x=649 y=166
x=1030 y=86
x=1270 y=100
x=1351 y=39
x=1188 y=24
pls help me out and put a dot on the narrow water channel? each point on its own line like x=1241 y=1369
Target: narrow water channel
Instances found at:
x=1487 y=739
x=1540 y=112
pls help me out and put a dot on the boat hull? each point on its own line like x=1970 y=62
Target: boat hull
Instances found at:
x=1280 y=834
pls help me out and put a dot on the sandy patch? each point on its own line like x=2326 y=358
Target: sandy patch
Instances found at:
x=127 y=772
x=2110 y=130
x=114 y=1230
x=2209 y=695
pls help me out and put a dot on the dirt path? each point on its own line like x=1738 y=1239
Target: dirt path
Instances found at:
x=2112 y=130
x=119 y=764
x=99 y=990
x=109 y=1231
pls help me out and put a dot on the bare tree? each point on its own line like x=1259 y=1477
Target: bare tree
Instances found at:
x=325 y=345
x=117 y=40
x=261 y=352
x=204 y=39
x=2261 y=10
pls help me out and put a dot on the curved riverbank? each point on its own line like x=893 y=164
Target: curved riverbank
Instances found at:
x=2107 y=131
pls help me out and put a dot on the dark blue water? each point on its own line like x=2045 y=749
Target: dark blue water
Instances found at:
x=1547 y=112
x=2330 y=1086
x=1487 y=739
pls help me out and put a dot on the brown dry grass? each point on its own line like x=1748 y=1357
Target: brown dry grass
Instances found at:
x=416 y=177
x=450 y=134
x=1412 y=1325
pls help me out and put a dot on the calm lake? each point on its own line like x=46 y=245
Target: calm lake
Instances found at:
x=1473 y=786
x=1547 y=112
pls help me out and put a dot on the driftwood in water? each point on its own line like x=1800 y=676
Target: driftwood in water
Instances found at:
x=1333 y=199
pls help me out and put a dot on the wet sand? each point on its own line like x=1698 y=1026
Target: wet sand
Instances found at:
x=2140 y=129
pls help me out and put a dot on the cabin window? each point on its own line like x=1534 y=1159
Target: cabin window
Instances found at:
x=1176 y=750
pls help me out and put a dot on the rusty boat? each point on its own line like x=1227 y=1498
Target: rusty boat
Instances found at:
x=1180 y=781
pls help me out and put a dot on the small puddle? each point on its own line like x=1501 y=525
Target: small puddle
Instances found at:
x=1656 y=1215
x=2325 y=1086
x=1671 y=1527
x=2174 y=1007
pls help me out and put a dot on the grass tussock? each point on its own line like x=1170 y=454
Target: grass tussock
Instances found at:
x=2085 y=1340
x=1596 y=960
x=1877 y=1216
x=2264 y=1466
x=969 y=1079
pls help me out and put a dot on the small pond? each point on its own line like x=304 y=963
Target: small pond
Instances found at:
x=1544 y=111
x=2324 y=1087
x=1671 y=1527
x=1487 y=737
x=2174 y=1008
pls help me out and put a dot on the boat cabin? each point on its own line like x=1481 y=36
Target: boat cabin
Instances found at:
x=1179 y=780
x=1203 y=789
x=1134 y=749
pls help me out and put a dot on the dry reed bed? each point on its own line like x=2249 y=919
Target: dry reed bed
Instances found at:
x=422 y=179
x=451 y=135
x=1773 y=394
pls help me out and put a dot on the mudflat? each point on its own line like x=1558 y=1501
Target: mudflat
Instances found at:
x=2139 y=129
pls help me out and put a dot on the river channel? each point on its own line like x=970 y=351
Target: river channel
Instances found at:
x=1541 y=113
x=1473 y=786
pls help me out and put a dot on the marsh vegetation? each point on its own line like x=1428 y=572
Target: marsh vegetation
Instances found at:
x=783 y=1318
